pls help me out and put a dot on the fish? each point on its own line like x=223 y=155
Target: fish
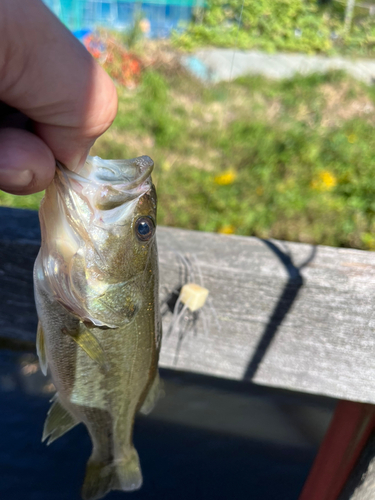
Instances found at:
x=96 y=292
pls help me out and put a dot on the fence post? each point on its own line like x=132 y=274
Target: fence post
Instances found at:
x=346 y=438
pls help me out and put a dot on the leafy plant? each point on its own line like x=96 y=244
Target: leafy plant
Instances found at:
x=270 y=25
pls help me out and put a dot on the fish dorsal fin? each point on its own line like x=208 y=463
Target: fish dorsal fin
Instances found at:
x=154 y=393
x=58 y=421
x=90 y=344
x=41 y=349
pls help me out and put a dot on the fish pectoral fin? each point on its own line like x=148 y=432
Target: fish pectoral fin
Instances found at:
x=58 y=421
x=154 y=393
x=41 y=349
x=90 y=344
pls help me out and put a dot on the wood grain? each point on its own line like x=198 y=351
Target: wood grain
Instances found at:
x=280 y=314
x=308 y=327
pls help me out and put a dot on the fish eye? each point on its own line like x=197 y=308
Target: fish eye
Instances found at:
x=144 y=228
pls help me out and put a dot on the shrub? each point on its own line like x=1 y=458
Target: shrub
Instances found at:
x=285 y=25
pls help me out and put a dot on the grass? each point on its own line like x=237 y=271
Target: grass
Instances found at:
x=290 y=160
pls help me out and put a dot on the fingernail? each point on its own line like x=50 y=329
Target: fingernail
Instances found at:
x=15 y=179
x=81 y=161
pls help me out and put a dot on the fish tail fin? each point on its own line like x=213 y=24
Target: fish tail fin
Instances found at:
x=123 y=474
x=128 y=472
x=98 y=480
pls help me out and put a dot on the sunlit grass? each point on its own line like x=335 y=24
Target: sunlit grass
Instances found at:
x=30 y=202
x=290 y=160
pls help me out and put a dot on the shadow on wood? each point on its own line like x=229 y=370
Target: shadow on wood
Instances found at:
x=287 y=298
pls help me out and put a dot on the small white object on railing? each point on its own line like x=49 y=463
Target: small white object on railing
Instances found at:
x=193 y=296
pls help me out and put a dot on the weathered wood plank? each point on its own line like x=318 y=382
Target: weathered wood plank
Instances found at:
x=19 y=242
x=283 y=314
x=308 y=328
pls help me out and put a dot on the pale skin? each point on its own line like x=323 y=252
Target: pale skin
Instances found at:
x=55 y=100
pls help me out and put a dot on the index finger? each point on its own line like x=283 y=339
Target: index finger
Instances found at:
x=46 y=73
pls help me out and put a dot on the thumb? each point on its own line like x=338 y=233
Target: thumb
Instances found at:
x=51 y=78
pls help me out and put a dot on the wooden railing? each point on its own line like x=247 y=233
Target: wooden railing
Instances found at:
x=286 y=315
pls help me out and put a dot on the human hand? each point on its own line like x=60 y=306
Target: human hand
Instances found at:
x=55 y=99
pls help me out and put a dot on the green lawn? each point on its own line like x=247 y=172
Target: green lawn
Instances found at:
x=290 y=160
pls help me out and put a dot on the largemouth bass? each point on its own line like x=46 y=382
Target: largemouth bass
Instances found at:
x=96 y=289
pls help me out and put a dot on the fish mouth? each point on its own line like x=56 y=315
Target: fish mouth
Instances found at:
x=111 y=183
x=129 y=173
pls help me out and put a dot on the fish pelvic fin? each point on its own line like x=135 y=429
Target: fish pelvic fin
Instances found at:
x=41 y=349
x=58 y=422
x=124 y=474
x=154 y=393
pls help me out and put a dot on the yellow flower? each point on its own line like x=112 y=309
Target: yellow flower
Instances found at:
x=259 y=190
x=227 y=177
x=328 y=179
x=166 y=166
x=351 y=138
x=226 y=229
x=325 y=182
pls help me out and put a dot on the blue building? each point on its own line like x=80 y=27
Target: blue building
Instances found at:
x=163 y=15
